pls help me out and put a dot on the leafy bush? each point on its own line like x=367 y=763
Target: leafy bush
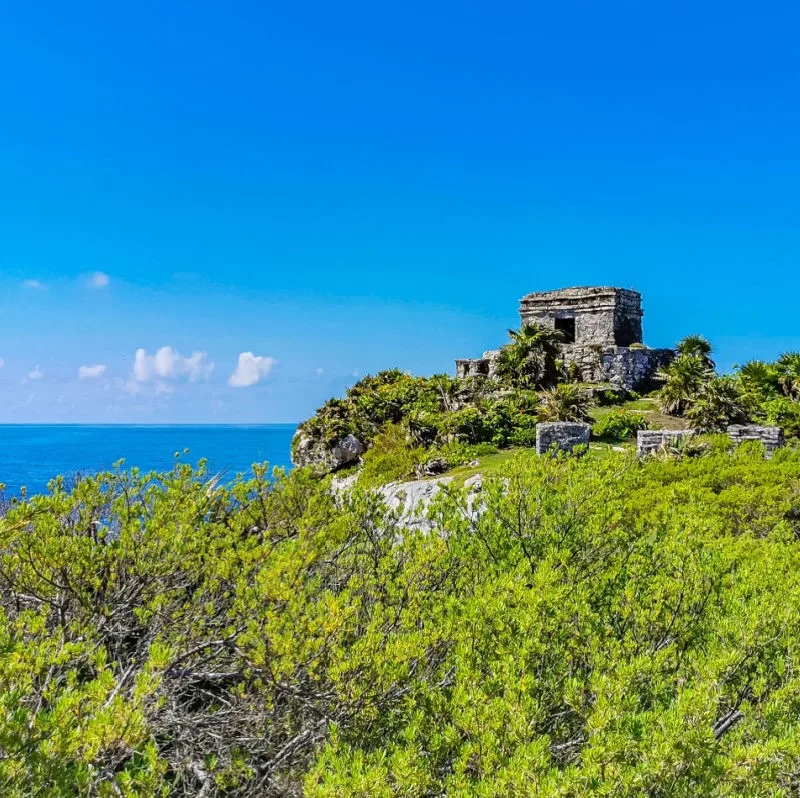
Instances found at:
x=619 y=425
x=614 y=396
x=461 y=453
x=531 y=359
x=524 y=436
x=783 y=412
x=601 y=628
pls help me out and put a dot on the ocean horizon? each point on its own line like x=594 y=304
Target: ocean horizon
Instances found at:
x=33 y=454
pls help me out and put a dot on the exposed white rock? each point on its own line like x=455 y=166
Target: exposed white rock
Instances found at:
x=412 y=500
x=348 y=450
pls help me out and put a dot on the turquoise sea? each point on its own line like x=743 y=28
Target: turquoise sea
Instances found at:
x=32 y=455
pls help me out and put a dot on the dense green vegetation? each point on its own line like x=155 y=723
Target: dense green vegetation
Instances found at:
x=417 y=426
x=603 y=627
x=599 y=626
x=760 y=392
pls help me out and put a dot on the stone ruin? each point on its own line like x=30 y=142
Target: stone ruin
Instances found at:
x=602 y=337
x=652 y=440
x=562 y=436
x=772 y=437
x=649 y=441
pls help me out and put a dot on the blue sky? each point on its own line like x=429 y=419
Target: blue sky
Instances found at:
x=321 y=190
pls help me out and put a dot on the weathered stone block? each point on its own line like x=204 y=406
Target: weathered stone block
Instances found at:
x=562 y=435
x=772 y=437
x=651 y=440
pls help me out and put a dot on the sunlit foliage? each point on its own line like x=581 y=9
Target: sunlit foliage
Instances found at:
x=588 y=628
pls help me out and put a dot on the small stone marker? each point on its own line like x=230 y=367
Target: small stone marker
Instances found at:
x=651 y=440
x=771 y=437
x=562 y=435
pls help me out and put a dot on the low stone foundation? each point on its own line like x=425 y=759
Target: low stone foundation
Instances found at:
x=651 y=440
x=561 y=435
x=772 y=437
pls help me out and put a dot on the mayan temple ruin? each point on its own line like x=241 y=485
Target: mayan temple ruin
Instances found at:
x=601 y=330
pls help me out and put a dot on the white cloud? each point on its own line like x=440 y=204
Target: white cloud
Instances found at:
x=319 y=372
x=250 y=369
x=2 y=362
x=168 y=364
x=99 y=280
x=35 y=285
x=35 y=373
x=91 y=372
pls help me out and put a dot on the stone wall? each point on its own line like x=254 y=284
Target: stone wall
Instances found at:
x=651 y=440
x=622 y=367
x=562 y=435
x=472 y=367
x=477 y=366
x=633 y=369
x=772 y=437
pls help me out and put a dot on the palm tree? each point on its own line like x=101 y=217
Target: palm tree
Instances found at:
x=699 y=347
x=788 y=369
x=565 y=402
x=530 y=360
x=683 y=379
x=718 y=404
x=759 y=378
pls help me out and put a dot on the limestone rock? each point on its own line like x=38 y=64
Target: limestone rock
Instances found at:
x=347 y=450
x=562 y=435
x=308 y=452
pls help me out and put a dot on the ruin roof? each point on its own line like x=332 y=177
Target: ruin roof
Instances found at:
x=581 y=292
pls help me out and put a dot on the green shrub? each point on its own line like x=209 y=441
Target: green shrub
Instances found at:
x=717 y=404
x=607 y=627
x=458 y=453
x=612 y=396
x=523 y=436
x=619 y=425
x=783 y=412
x=466 y=425
x=390 y=458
